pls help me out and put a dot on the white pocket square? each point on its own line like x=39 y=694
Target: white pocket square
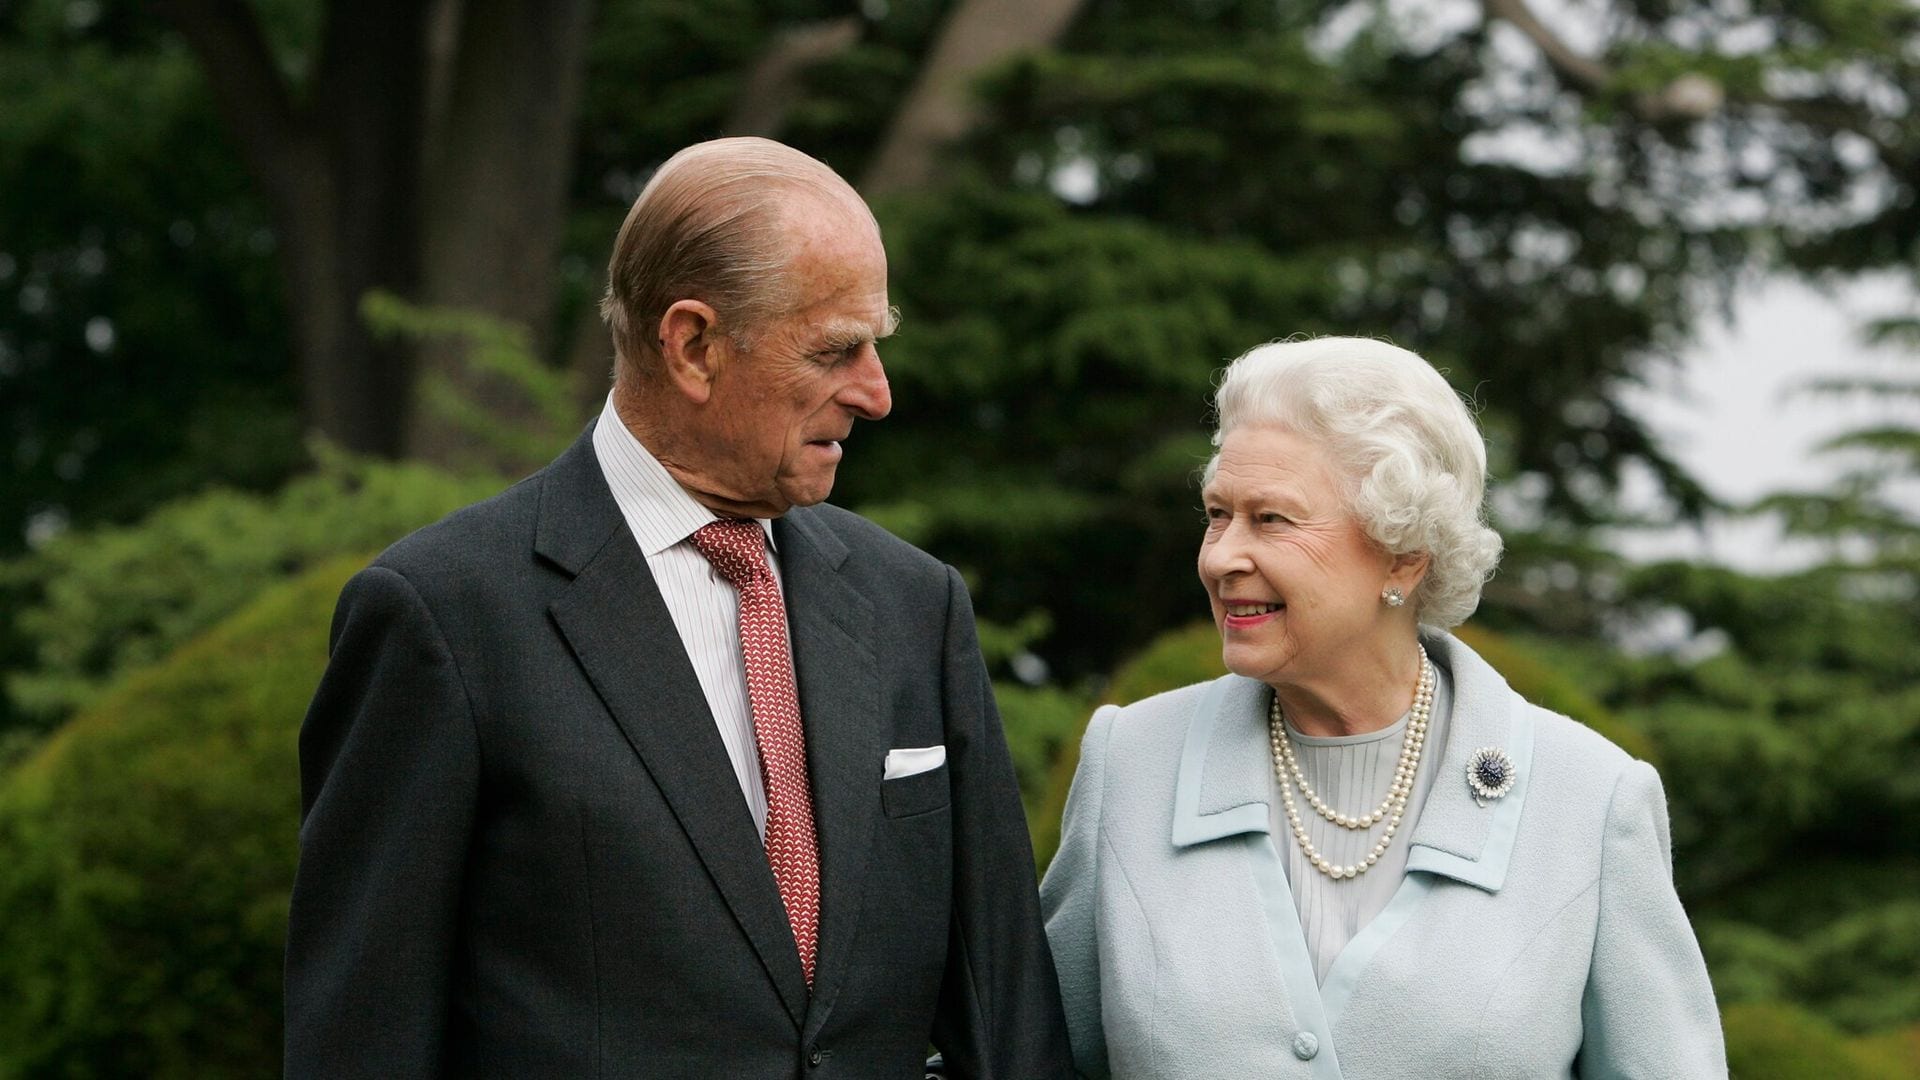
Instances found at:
x=908 y=761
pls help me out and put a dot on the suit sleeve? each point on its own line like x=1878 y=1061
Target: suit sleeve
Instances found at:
x=999 y=1013
x=1067 y=900
x=389 y=764
x=1649 y=1009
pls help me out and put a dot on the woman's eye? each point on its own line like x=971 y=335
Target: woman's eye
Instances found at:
x=1272 y=519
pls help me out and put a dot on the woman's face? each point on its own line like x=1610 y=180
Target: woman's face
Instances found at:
x=1294 y=582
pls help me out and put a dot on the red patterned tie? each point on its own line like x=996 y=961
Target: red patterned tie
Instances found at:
x=737 y=549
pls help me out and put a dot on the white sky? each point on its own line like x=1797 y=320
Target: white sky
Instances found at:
x=1730 y=416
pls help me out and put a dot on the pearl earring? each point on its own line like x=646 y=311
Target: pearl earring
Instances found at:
x=1393 y=596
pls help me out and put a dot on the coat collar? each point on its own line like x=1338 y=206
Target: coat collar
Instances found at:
x=1225 y=779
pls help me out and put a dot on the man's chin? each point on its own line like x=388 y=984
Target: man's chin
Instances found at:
x=809 y=490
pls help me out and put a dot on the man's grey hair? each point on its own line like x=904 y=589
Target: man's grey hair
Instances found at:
x=1411 y=462
x=713 y=225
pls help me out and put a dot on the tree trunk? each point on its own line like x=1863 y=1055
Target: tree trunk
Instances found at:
x=937 y=111
x=430 y=159
x=341 y=177
x=498 y=164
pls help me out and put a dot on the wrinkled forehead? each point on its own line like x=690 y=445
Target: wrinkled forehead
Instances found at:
x=1267 y=459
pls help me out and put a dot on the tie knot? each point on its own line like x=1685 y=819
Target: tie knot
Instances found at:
x=737 y=548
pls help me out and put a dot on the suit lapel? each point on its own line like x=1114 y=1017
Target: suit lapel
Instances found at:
x=846 y=746
x=614 y=619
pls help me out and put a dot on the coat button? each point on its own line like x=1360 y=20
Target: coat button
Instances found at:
x=816 y=1057
x=1305 y=1046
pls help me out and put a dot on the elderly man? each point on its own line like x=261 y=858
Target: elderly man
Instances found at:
x=651 y=766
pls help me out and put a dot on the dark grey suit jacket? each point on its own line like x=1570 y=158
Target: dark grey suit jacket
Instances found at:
x=524 y=852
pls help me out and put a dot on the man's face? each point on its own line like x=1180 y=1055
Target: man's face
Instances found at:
x=778 y=414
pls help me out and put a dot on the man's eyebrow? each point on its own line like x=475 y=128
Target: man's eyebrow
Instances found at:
x=849 y=333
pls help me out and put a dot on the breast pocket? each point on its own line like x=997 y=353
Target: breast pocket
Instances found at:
x=905 y=796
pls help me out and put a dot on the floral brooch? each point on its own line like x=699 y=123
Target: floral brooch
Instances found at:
x=1490 y=774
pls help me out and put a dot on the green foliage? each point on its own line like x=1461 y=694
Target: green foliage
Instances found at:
x=147 y=852
x=142 y=329
x=1789 y=757
x=1858 y=970
x=1174 y=659
x=96 y=604
x=500 y=357
x=1043 y=728
x=1539 y=682
x=1180 y=182
x=1780 y=1042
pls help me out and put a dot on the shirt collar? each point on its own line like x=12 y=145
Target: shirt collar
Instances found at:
x=658 y=510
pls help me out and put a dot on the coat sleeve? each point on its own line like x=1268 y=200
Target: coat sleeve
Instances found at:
x=1067 y=900
x=1649 y=1009
x=999 y=1013
x=389 y=763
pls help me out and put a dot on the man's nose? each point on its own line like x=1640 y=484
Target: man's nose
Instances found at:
x=866 y=392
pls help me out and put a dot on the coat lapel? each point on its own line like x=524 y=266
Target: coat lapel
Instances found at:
x=1457 y=837
x=619 y=628
x=1224 y=785
x=1223 y=790
x=839 y=685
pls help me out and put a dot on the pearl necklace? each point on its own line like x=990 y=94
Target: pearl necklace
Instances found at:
x=1392 y=808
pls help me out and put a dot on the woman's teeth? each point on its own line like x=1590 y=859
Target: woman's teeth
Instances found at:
x=1252 y=609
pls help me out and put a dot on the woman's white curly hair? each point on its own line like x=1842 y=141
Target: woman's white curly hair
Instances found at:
x=1412 y=463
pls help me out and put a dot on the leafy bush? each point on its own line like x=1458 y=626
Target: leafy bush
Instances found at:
x=147 y=853
x=1780 y=1042
x=96 y=604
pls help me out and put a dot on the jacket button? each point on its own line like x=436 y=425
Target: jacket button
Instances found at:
x=816 y=1057
x=1305 y=1046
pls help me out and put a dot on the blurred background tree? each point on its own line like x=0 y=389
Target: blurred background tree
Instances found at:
x=230 y=224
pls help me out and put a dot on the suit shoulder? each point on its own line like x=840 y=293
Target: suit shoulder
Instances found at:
x=870 y=539
x=1586 y=764
x=477 y=535
x=1162 y=718
x=1572 y=738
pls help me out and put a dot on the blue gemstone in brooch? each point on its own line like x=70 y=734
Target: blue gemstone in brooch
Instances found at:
x=1490 y=774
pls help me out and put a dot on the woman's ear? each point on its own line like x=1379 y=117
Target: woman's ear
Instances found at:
x=1408 y=571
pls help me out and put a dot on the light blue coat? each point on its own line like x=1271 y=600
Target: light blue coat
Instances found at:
x=1536 y=937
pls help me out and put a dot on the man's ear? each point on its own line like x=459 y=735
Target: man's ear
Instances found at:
x=692 y=348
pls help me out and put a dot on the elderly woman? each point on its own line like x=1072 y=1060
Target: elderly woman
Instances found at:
x=1361 y=854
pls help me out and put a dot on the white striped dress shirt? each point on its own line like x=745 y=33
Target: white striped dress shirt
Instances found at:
x=704 y=606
